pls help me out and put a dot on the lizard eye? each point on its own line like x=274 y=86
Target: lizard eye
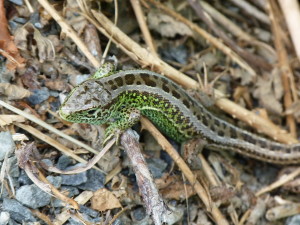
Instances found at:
x=92 y=111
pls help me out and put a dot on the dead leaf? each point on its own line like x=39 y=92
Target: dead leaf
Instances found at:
x=41 y=45
x=56 y=84
x=13 y=92
x=7 y=46
x=9 y=119
x=239 y=73
x=104 y=200
x=269 y=91
x=166 y=25
x=172 y=187
x=294 y=109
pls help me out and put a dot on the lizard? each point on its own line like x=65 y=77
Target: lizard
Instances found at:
x=119 y=98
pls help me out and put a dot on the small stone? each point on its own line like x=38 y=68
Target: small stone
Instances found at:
x=38 y=96
x=7 y=144
x=156 y=166
x=95 y=181
x=74 y=221
x=35 y=20
x=72 y=191
x=17 y=2
x=63 y=162
x=20 y=20
x=294 y=220
x=55 y=181
x=118 y=222
x=4 y=194
x=88 y=211
x=74 y=179
x=32 y=196
x=4 y=218
x=24 y=179
x=139 y=213
x=17 y=211
x=54 y=93
x=14 y=168
x=57 y=203
x=178 y=54
x=5 y=75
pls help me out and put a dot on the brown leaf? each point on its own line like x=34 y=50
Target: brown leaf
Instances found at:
x=8 y=119
x=104 y=200
x=57 y=85
x=166 y=25
x=13 y=91
x=269 y=92
x=40 y=44
x=172 y=187
x=7 y=45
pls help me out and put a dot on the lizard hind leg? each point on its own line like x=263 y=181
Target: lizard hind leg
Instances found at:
x=124 y=121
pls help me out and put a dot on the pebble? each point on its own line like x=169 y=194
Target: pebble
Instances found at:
x=178 y=54
x=24 y=179
x=89 y=211
x=95 y=181
x=118 y=222
x=294 y=220
x=156 y=166
x=38 y=96
x=4 y=218
x=32 y=196
x=13 y=167
x=17 y=2
x=139 y=213
x=74 y=221
x=63 y=162
x=17 y=211
x=20 y=20
x=74 y=179
x=7 y=145
x=72 y=191
x=55 y=181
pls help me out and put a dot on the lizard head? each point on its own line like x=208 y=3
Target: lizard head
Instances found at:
x=85 y=102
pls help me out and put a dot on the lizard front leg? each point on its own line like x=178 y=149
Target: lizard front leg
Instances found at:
x=125 y=120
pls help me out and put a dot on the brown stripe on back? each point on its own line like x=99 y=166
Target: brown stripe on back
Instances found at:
x=221 y=133
x=129 y=79
x=186 y=103
x=111 y=82
x=276 y=147
x=114 y=87
x=165 y=88
x=248 y=138
x=262 y=143
x=204 y=121
x=119 y=81
x=148 y=81
x=233 y=133
x=176 y=94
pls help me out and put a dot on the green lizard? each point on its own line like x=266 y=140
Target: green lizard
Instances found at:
x=118 y=98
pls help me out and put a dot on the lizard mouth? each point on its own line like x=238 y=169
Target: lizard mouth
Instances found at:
x=64 y=112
